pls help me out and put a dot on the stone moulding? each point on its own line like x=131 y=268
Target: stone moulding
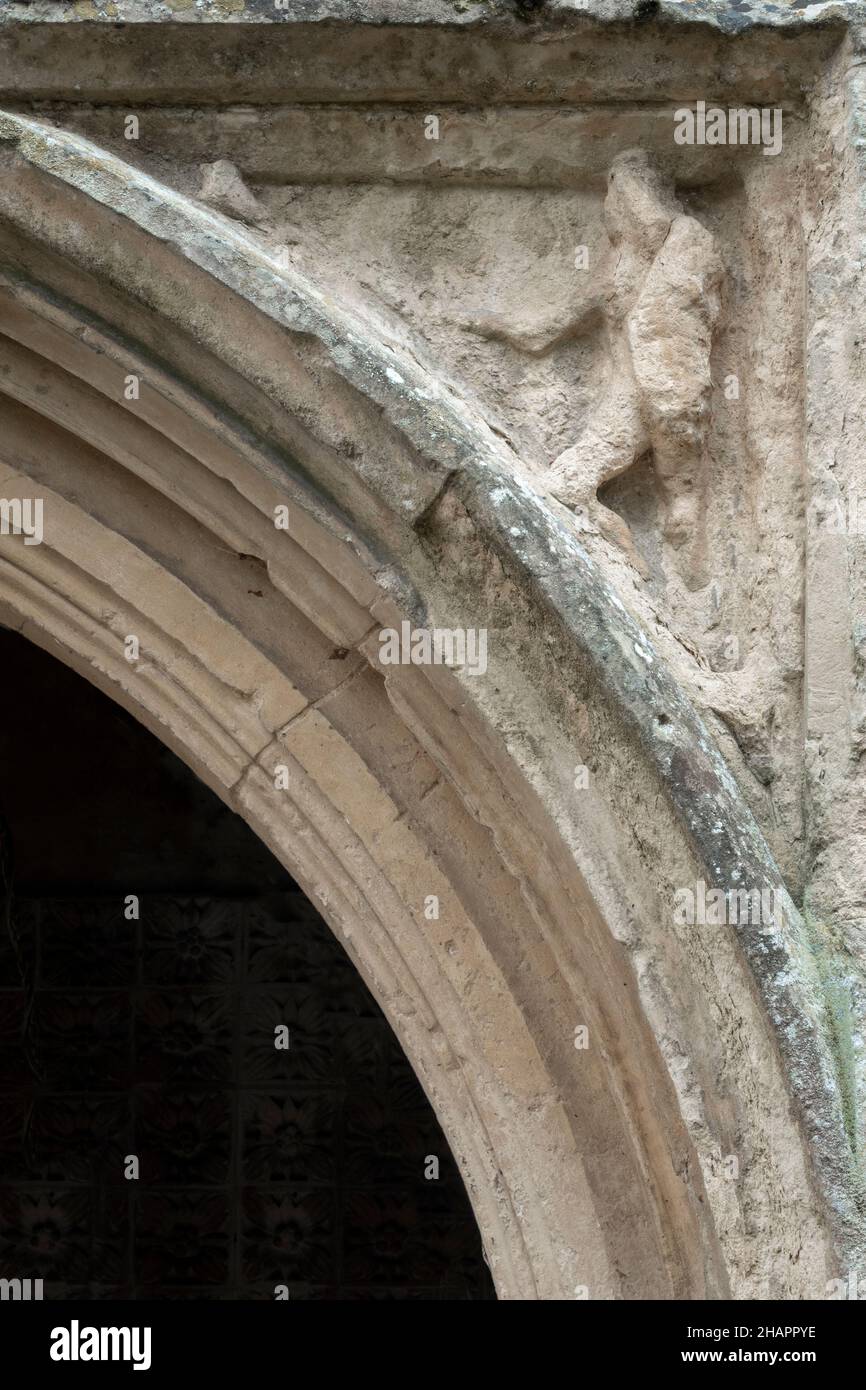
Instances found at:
x=471 y=14
x=255 y=379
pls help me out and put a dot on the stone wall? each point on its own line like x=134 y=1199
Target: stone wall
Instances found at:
x=541 y=321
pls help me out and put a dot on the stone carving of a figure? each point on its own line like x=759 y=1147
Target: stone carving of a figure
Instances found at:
x=662 y=303
x=658 y=294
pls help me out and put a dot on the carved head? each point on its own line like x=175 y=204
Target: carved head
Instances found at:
x=640 y=203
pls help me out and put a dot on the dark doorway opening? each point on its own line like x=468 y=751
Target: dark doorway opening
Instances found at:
x=306 y=1168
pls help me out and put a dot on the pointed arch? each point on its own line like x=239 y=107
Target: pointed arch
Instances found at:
x=590 y=1169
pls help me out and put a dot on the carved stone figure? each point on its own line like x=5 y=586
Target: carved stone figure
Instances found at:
x=661 y=302
x=658 y=298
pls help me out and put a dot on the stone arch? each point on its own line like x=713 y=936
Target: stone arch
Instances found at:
x=597 y=1170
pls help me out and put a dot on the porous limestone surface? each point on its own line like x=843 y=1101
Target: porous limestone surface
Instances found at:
x=630 y=364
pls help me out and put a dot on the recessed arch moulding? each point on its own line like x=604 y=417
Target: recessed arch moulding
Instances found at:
x=640 y=1107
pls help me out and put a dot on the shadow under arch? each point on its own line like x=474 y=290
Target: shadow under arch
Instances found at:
x=167 y=388
x=151 y=949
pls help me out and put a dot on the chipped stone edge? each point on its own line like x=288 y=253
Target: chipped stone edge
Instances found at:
x=463 y=14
